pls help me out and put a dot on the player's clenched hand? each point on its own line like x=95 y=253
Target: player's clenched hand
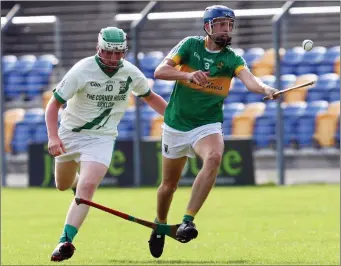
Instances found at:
x=55 y=146
x=270 y=92
x=199 y=77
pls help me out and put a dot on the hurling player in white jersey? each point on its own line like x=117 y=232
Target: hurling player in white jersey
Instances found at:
x=96 y=90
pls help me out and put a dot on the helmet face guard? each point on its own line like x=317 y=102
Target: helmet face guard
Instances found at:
x=219 y=24
x=220 y=30
x=112 y=47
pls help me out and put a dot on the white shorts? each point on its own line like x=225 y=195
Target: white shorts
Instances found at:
x=85 y=148
x=176 y=144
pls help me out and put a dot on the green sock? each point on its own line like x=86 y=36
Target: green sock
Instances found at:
x=68 y=234
x=188 y=218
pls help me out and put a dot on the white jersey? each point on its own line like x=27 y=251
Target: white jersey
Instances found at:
x=96 y=102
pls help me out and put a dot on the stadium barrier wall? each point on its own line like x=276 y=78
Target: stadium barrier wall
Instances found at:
x=236 y=169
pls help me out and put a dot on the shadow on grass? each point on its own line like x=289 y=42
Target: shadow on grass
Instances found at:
x=179 y=262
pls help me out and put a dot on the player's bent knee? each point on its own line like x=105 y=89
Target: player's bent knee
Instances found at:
x=87 y=189
x=213 y=159
x=62 y=186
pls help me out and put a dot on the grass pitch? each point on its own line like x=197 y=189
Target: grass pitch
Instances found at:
x=249 y=225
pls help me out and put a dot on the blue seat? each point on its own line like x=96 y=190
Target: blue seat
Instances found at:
x=328 y=61
x=35 y=85
x=253 y=54
x=291 y=114
x=256 y=97
x=239 y=51
x=150 y=61
x=237 y=92
x=163 y=87
x=321 y=90
x=304 y=131
x=288 y=80
x=130 y=57
x=40 y=133
x=310 y=61
x=334 y=94
x=34 y=115
x=21 y=137
x=15 y=86
x=8 y=63
x=291 y=59
x=146 y=114
x=230 y=110
x=25 y=64
x=264 y=128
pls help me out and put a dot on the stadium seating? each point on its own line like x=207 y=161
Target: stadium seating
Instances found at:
x=304 y=130
x=292 y=112
x=326 y=124
x=239 y=51
x=25 y=129
x=11 y=118
x=256 y=97
x=156 y=126
x=264 y=127
x=334 y=93
x=237 y=92
x=126 y=126
x=243 y=123
x=337 y=66
x=310 y=61
x=328 y=61
x=150 y=61
x=299 y=94
x=291 y=60
x=27 y=76
x=309 y=113
x=320 y=91
x=164 y=88
x=337 y=136
x=229 y=111
x=253 y=54
x=46 y=97
x=265 y=65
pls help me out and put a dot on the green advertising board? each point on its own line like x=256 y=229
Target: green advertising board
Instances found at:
x=236 y=167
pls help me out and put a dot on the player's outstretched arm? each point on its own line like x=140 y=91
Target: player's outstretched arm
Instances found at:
x=255 y=84
x=156 y=102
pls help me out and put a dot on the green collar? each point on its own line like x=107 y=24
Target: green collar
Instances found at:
x=104 y=69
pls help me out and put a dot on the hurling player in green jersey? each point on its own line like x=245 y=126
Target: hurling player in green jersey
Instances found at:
x=203 y=68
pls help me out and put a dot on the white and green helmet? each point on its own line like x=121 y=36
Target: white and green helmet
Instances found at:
x=112 y=46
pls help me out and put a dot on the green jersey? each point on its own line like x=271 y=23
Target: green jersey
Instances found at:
x=192 y=105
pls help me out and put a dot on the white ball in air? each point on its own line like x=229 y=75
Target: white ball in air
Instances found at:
x=307 y=45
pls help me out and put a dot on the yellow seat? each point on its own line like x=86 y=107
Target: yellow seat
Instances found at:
x=337 y=66
x=46 y=98
x=267 y=63
x=156 y=123
x=243 y=124
x=131 y=101
x=11 y=117
x=326 y=125
x=299 y=95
